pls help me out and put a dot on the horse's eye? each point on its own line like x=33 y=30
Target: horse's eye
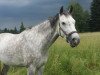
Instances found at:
x=63 y=23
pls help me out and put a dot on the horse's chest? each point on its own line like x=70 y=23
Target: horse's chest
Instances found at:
x=34 y=58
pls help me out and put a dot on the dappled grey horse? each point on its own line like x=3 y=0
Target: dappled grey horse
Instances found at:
x=30 y=48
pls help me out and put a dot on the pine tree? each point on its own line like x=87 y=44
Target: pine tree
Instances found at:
x=95 y=16
x=11 y=31
x=15 y=30
x=86 y=19
x=5 y=30
x=0 y=31
x=22 y=28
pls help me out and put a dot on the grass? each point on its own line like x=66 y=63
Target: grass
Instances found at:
x=64 y=60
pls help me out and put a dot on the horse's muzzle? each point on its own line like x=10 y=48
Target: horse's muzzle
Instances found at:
x=73 y=40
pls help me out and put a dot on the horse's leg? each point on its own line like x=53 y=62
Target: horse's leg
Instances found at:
x=40 y=70
x=5 y=70
x=31 y=70
x=0 y=68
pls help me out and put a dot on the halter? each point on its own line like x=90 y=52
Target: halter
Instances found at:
x=67 y=34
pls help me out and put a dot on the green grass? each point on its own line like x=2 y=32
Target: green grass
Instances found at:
x=64 y=60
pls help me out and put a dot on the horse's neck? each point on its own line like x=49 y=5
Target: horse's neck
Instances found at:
x=46 y=33
x=49 y=32
x=50 y=35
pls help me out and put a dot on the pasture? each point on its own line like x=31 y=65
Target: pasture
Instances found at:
x=64 y=60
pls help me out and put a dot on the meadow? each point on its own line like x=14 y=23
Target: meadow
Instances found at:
x=64 y=60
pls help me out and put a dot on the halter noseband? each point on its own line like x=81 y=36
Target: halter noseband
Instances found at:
x=69 y=34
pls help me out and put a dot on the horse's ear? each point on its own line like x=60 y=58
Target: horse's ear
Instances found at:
x=61 y=10
x=70 y=9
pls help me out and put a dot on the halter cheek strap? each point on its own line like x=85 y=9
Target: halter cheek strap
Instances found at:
x=67 y=34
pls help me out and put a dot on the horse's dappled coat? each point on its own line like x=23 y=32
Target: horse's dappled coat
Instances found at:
x=25 y=48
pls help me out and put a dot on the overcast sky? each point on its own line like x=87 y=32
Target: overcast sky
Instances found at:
x=31 y=12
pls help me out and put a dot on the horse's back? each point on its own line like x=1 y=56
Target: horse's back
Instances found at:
x=5 y=36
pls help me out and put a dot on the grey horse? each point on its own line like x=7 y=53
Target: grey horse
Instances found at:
x=30 y=48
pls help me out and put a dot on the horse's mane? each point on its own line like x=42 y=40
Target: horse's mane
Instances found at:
x=54 y=20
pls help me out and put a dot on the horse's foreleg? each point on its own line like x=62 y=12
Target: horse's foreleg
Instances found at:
x=5 y=70
x=31 y=70
x=40 y=70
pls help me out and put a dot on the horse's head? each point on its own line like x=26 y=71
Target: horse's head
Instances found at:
x=66 y=27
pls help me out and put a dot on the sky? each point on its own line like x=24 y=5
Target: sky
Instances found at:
x=31 y=12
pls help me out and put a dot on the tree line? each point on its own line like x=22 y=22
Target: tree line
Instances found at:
x=86 y=20
x=15 y=30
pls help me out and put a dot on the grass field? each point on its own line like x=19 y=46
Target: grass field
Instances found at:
x=64 y=60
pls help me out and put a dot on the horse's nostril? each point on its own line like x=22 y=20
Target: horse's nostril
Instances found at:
x=73 y=39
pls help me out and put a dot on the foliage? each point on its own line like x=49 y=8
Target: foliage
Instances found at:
x=95 y=16
x=22 y=28
x=15 y=30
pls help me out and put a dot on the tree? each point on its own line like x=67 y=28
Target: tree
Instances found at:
x=0 y=31
x=22 y=28
x=86 y=19
x=11 y=31
x=81 y=16
x=5 y=30
x=95 y=16
x=15 y=31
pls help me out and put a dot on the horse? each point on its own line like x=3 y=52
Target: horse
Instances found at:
x=30 y=48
